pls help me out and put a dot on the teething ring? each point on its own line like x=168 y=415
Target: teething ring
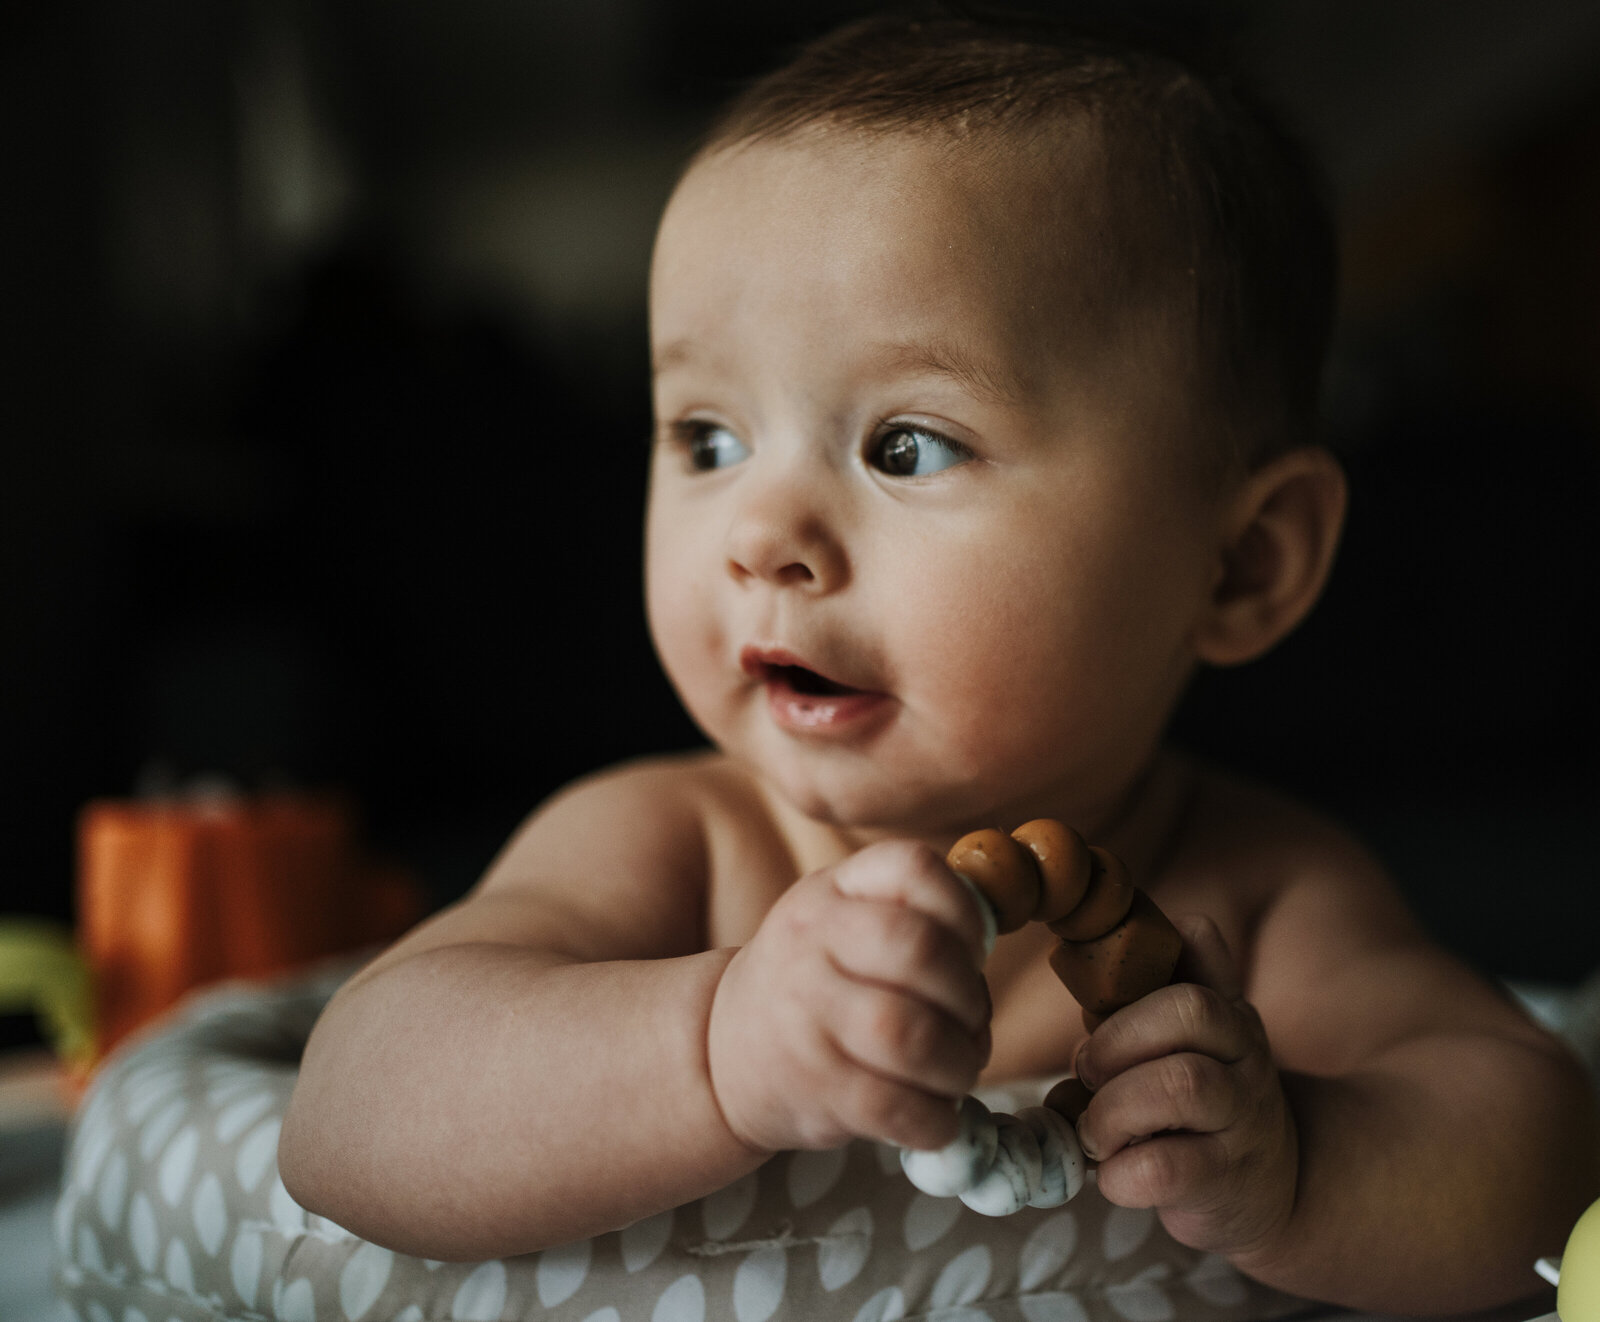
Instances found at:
x=1115 y=946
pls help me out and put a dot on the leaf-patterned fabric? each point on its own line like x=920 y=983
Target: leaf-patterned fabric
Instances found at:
x=172 y=1211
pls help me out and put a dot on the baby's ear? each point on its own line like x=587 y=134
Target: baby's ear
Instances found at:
x=1279 y=540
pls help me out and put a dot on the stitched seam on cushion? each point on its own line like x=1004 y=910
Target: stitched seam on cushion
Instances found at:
x=307 y=1232
x=784 y=1239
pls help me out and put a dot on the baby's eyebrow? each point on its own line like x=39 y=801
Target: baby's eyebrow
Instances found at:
x=671 y=354
x=983 y=379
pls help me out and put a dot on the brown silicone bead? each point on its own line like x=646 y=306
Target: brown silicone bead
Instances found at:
x=1131 y=960
x=1003 y=870
x=1065 y=866
x=1069 y=1098
x=1104 y=905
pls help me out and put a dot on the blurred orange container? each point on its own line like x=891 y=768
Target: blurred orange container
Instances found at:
x=174 y=894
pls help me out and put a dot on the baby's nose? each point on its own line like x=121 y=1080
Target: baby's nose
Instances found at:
x=782 y=535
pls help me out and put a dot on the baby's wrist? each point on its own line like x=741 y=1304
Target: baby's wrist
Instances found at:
x=723 y=1063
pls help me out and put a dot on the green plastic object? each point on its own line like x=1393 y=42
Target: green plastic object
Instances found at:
x=41 y=970
x=1578 y=1294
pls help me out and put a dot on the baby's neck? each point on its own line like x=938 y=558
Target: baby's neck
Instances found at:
x=1142 y=825
x=1147 y=826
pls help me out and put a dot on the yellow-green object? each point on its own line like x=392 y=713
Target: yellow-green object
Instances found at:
x=1578 y=1294
x=41 y=970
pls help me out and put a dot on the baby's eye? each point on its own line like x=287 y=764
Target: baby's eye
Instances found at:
x=711 y=446
x=916 y=452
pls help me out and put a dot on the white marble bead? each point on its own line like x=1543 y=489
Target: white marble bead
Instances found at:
x=1016 y=1175
x=1061 y=1156
x=956 y=1167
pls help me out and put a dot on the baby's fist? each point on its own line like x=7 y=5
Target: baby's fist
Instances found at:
x=1188 y=1113
x=857 y=1009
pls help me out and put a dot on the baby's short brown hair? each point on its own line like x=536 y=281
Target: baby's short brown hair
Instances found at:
x=1218 y=208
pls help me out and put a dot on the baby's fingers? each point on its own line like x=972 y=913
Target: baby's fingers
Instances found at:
x=906 y=873
x=1187 y=1092
x=903 y=949
x=1177 y=1171
x=907 y=1041
x=877 y=1108
x=1183 y=1017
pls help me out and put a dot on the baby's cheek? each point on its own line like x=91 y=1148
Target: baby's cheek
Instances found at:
x=1001 y=683
x=1024 y=694
x=684 y=634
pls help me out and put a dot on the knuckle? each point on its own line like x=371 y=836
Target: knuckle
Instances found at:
x=874 y=1108
x=1193 y=1005
x=882 y=1023
x=1157 y=1172
x=1148 y=1174
x=1184 y=1080
x=916 y=938
x=889 y=1111
x=925 y=867
x=899 y=1029
x=798 y=910
x=908 y=857
x=922 y=858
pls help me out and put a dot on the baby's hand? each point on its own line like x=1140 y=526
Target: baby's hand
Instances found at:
x=857 y=1009
x=1188 y=1114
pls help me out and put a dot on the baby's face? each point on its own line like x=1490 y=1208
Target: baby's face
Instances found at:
x=922 y=548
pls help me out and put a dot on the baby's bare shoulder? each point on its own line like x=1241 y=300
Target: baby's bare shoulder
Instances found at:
x=1255 y=846
x=1332 y=955
x=616 y=865
x=650 y=817
x=673 y=840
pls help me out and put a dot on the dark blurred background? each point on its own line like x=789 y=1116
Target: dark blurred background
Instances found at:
x=325 y=410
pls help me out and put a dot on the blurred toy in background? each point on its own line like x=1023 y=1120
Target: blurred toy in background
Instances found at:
x=180 y=890
x=1576 y=1274
x=42 y=970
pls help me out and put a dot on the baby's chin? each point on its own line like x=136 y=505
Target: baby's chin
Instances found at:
x=866 y=800
x=868 y=803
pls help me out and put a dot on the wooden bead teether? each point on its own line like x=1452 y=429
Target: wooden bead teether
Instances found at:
x=1064 y=864
x=1115 y=947
x=1004 y=873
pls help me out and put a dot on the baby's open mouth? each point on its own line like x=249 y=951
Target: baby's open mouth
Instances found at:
x=806 y=702
x=801 y=680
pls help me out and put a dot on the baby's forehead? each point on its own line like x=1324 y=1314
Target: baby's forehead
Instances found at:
x=1033 y=206
x=1045 y=172
x=879 y=258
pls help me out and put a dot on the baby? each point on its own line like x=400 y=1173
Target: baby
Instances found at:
x=984 y=370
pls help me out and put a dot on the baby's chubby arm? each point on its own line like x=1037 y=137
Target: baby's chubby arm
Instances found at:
x=528 y=1066
x=1361 y=1119
x=534 y=1064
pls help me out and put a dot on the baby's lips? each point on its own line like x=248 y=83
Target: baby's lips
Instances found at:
x=764 y=663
